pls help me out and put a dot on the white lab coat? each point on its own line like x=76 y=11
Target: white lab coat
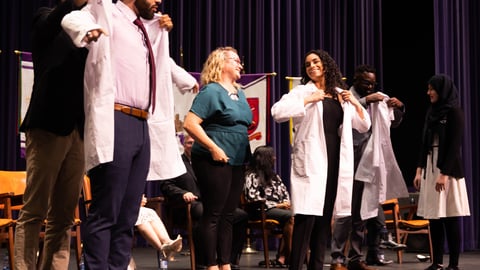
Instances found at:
x=309 y=155
x=99 y=93
x=378 y=166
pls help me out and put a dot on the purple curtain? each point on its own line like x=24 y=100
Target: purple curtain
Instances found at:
x=456 y=54
x=407 y=44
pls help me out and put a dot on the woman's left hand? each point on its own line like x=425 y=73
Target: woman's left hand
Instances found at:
x=219 y=155
x=348 y=96
x=441 y=182
x=283 y=205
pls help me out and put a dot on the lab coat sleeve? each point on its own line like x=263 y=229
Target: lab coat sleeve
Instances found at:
x=290 y=105
x=77 y=23
x=184 y=80
x=360 y=124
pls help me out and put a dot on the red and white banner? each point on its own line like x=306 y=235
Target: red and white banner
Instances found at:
x=257 y=91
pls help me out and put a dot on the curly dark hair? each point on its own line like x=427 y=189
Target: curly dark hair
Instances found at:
x=333 y=76
x=262 y=164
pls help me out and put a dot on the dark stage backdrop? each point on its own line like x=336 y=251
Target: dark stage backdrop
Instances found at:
x=407 y=41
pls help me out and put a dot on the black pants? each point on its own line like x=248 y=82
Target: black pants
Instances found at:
x=221 y=186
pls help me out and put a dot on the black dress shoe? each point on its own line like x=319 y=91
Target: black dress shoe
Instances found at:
x=435 y=267
x=452 y=268
x=378 y=260
x=390 y=244
x=359 y=265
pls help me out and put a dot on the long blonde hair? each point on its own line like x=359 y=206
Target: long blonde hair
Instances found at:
x=212 y=68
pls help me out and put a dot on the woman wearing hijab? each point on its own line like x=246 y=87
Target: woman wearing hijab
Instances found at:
x=440 y=177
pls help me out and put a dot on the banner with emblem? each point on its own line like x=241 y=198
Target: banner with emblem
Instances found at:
x=257 y=88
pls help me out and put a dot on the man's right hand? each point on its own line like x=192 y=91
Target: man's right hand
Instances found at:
x=189 y=197
x=93 y=35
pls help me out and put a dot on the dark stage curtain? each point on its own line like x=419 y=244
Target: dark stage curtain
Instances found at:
x=456 y=54
x=406 y=41
x=273 y=36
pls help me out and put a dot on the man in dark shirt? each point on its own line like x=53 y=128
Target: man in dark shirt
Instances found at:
x=54 y=142
x=185 y=188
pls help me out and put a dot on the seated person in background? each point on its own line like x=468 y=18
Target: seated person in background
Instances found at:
x=153 y=230
x=262 y=183
x=185 y=188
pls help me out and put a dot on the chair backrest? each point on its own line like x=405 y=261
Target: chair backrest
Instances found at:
x=403 y=227
x=13 y=181
x=86 y=193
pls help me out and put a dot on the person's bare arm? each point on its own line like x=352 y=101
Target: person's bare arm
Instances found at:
x=193 y=126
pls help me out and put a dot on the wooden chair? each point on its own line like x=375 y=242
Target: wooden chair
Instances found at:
x=86 y=193
x=261 y=227
x=403 y=227
x=6 y=226
x=14 y=183
x=173 y=208
x=12 y=187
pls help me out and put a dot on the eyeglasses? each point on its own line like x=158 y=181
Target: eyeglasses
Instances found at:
x=368 y=83
x=236 y=60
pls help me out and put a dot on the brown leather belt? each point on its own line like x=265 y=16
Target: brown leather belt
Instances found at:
x=139 y=113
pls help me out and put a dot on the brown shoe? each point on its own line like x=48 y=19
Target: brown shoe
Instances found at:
x=359 y=265
x=338 y=266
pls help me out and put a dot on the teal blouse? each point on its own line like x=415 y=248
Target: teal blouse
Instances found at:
x=226 y=119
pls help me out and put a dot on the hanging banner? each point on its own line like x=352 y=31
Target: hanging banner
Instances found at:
x=25 y=85
x=257 y=90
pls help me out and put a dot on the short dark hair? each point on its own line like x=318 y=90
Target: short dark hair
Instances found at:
x=362 y=69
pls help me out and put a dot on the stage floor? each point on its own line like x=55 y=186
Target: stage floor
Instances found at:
x=146 y=259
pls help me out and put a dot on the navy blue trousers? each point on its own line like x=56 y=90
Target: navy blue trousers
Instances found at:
x=117 y=189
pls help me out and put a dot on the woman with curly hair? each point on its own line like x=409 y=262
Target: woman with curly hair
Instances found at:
x=218 y=121
x=323 y=115
x=262 y=183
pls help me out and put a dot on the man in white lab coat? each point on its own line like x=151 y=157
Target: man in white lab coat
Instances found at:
x=374 y=164
x=127 y=138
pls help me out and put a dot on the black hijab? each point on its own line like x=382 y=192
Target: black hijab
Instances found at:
x=447 y=98
x=435 y=121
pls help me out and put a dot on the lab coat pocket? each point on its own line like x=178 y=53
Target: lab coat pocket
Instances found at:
x=299 y=159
